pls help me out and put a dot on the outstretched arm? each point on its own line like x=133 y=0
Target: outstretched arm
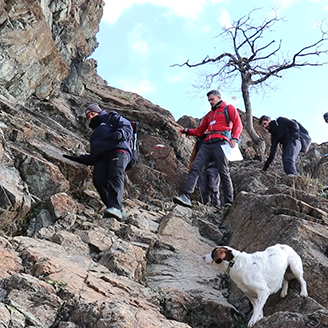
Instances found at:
x=83 y=159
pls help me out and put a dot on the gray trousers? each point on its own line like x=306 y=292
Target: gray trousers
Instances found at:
x=211 y=152
x=209 y=185
x=289 y=155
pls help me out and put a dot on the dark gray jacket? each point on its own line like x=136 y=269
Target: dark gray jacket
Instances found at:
x=281 y=130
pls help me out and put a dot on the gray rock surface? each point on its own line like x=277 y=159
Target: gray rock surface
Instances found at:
x=64 y=265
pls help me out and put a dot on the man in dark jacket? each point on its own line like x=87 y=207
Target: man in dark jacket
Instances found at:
x=218 y=132
x=287 y=133
x=325 y=117
x=110 y=153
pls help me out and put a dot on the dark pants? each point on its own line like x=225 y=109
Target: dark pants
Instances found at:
x=109 y=178
x=209 y=184
x=211 y=152
x=289 y=155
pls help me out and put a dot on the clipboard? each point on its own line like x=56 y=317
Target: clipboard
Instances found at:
x=232 y=154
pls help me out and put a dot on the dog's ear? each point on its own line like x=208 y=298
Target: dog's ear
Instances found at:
x=221 y=253
x=218 y=254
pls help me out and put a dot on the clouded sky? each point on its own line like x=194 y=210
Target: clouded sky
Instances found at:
x=140 y=40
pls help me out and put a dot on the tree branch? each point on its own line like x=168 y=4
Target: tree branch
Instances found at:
x=254 y=62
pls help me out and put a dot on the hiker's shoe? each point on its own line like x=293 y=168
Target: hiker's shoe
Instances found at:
x=113 y=212
x=182 y=200
x=124 y=215
x=226 y=208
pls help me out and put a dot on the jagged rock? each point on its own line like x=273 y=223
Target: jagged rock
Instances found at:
x=14 y=201
x=33 y=298
x=55 y=275
x=64 y=265
x=125 y=259
x=62 y=204
x=295 y=320
x=10 y=262
x=97 y=238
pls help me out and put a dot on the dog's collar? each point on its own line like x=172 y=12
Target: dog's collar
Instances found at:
x=231 y=264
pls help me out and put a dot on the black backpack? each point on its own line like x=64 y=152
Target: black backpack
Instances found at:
x=305 y=138
x=134 y=146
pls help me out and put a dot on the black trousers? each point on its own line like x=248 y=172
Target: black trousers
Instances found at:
x=109 y=178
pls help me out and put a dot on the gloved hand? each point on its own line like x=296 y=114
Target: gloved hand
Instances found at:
x=295 y=135
x=72 y=158
x=265 y=167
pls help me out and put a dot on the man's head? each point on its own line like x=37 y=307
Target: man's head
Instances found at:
x=264 y=121
x=325 y=116
x=92 y=111
x=213 y=97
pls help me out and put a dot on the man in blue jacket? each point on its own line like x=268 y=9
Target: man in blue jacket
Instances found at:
x=110 y=153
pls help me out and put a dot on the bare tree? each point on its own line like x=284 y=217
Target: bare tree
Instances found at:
x=255 y=62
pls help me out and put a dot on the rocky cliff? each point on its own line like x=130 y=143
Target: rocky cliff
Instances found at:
x=64 y=265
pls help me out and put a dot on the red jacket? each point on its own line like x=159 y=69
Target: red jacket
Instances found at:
x=215 y=122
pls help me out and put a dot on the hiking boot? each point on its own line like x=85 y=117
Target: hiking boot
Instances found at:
x=226 y=208
x=182 y=200
x=113 y=212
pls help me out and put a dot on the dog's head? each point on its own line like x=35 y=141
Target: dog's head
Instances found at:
x=218 y=255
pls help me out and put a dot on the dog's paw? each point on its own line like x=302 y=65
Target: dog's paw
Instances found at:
x=283 y=294
x=252 y=322
x=303 y=293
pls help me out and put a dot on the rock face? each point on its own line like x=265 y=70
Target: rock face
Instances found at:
x=45 y=42
x=64 y=265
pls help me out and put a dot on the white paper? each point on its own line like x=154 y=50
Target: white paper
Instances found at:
x=232 y=154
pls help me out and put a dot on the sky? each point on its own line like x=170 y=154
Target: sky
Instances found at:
x=140 y=41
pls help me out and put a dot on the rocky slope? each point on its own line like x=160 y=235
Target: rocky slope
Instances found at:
x=64 y=265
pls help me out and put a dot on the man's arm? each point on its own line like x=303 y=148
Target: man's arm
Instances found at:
x=200 y=130
x=122 y=126
x=83 y=159
x=273 y=149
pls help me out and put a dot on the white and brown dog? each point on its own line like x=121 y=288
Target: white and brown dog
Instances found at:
x=260 y=274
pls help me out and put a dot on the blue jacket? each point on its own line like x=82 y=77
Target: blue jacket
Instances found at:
x=114 y=132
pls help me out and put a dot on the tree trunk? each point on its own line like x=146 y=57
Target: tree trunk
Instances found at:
x=260 y=144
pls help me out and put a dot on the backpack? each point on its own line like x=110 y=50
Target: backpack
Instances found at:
x=225 y=111
x=305 y=138
x=134 y=146
x=227 y=133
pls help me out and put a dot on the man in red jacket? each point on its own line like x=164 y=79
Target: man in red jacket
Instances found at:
x=219 y=132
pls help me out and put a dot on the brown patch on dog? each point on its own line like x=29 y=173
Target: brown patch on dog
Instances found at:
x=221 y=253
